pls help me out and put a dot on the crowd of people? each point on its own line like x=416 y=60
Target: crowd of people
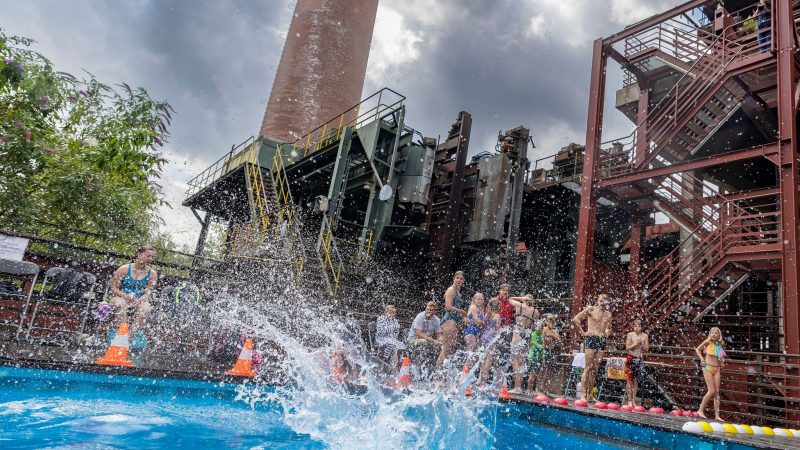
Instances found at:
x=512 y=340
x=503 y=332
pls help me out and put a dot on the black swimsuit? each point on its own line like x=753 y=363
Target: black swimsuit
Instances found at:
x=596 y=342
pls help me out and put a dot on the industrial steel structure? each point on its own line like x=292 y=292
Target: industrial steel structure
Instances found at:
x=691 y=219
x=712 y=88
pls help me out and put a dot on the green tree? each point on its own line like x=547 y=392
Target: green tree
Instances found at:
x=79 y=159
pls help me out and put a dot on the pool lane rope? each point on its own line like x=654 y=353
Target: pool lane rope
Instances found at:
x=729 y=428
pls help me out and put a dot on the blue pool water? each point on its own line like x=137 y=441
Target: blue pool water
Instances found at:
x=50 y=409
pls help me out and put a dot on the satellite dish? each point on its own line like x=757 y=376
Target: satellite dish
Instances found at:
x=386 y=193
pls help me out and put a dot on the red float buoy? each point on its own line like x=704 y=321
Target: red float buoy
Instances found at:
x=656 y=410
x=541 y=399
x=581 y=403
x=676 y=412
x=686 y=413
x=613 y=406
x=639 y=409
x=601 y=405
x=561 y=401
x=626 y=408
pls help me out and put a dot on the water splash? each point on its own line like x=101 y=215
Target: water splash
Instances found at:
x=303 y=338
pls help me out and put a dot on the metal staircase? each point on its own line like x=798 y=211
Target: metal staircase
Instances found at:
x=696 y=106
x=720 y=236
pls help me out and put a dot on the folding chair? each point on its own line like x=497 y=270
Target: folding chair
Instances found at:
x=19 y=270
x=615 y=373
x=45 y=298
x=575 y=373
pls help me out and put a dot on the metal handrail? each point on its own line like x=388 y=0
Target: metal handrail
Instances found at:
x=227 y=163
x=682 y=273
x=332 y=130
x=331 y=259
x=662 y=117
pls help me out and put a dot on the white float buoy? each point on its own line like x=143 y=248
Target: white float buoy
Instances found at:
x=692 y=427
x=717 y=427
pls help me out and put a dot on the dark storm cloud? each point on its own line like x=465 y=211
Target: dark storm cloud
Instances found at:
x=214 y=61
x=486 y=62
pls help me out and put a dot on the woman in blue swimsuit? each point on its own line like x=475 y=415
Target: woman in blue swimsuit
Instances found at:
x=131 y=286
x=452 y=319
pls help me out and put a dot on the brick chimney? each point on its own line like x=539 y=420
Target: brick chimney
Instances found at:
x=322 y=68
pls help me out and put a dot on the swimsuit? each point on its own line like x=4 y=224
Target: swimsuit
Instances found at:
x=472 y=328
x=520 y=348
x=596 y=342
x=506 y=311
x=715 y=350
x=489 y=332
x=635 y=369
x=449 y=315
x=133 y=286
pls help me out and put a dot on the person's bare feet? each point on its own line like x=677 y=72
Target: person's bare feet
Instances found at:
x=719 y=419
x=515 y=391
x=701 y=415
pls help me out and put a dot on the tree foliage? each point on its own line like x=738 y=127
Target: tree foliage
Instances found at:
x=77 y=154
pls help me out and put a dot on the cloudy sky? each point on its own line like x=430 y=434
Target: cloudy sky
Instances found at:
x=508 y=62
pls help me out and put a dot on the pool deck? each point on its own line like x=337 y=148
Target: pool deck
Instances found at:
x=193 y=366
x=669 y=423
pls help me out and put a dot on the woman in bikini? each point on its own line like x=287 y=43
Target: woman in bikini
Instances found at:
x=452 y=319
x=712 y=362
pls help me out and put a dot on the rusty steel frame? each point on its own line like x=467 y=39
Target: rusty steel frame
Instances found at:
x=783 y=154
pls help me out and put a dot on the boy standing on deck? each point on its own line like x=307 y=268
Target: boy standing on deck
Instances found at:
x=598 y=321
x=636 y=343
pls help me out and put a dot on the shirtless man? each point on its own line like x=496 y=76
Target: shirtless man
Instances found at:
x=636 y=344
x=598 y=320
x=526 y=315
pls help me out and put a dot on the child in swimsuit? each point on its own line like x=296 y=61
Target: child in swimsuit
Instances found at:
x=476 y=319
x=489 y=338
x=712 y=362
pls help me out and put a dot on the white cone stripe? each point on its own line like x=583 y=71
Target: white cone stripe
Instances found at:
x=120 y=341
x=246 y=354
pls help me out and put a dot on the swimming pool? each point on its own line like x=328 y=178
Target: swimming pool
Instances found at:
x=49 y=408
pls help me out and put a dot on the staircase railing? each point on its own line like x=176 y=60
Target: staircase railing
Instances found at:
x=285 y=211
x=707 y=71
x=332 y=264
x=259 y=195
x=375 y=107
x=674 y=279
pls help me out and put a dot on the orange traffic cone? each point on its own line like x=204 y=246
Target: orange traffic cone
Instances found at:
x=117 y=353
x=504 y=393
x=244 y=364
x=404 y=381
x=463 y=377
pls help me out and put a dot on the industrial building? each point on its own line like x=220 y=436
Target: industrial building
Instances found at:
x=690 y=221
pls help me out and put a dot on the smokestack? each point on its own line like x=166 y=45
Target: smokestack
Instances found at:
x=322 y=68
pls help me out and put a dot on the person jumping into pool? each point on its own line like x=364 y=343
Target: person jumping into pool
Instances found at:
x=598 y=321
x=712 y=364
x=131 y=286
x=526 y=315
x=636 y=343
x=453 y=318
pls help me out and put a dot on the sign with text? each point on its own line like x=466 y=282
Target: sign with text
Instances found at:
x=12 y=247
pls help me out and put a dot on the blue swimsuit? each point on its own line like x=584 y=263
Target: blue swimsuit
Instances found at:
x=133 y=286
x=451 y=315
x=472 y=328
